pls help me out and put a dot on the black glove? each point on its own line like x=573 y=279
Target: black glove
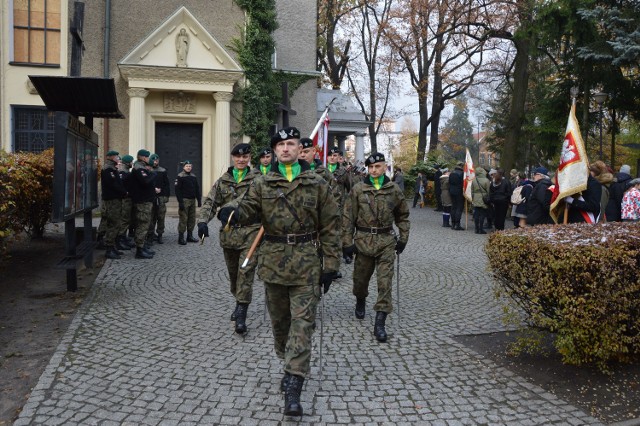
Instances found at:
x=347 y=253
x=224 y=213
x=180 y=206
x=400 y=245
x=325 y=280
x=203 y=230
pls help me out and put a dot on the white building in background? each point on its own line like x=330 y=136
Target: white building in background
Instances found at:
x=388 y=139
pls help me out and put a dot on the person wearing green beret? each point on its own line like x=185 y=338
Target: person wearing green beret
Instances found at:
x=143 y=195
x=188 y=194
x=159 y=209
x=126 y=217
x=113 y=192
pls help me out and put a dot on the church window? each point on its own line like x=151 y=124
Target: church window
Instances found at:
x=36 y=32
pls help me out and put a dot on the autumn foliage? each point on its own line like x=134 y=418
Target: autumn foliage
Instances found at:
x=581 y=282
x=26 y=184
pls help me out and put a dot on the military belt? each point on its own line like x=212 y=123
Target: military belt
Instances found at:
x=292 y=238
x=375 y=231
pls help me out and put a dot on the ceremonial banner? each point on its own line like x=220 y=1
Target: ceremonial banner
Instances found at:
x=320 y=141
x=469 y=176
x=573 y=169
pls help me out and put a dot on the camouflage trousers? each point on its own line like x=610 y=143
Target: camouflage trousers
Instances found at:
x=143 y=218
x=187 y=215
x=293 y=314
x=363 y=268
x=158 y=213
x=102 y=227
x=241 y=278
x=112 y=210
x=126 y=216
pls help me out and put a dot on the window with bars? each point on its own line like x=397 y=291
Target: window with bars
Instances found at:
x=33 y=129
x=36 y=32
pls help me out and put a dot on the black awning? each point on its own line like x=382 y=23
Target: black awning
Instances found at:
x=80 y=96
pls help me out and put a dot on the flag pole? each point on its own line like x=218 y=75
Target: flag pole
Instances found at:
x=321 y=120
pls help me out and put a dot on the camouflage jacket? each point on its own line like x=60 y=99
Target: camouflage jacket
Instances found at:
x=334 y=186
x=273 y=199
x=223 y=191
x=370 y=208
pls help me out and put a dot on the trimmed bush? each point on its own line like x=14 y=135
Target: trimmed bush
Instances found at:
x=581 y=282
x=26 y=185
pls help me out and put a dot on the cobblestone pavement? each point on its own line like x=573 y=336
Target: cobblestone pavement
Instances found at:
x=153 y=344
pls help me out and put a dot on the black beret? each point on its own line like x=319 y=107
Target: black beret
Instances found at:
x=241 y=149
x=306 y=143
x=265 y=151
x=284 y=134
x=376 y=157
x=334 y=150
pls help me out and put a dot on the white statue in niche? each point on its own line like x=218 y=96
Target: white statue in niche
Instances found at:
x=182 y=48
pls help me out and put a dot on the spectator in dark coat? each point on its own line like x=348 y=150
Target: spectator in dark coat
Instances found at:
x=500 y=196
x=585 y=207
x=456 y=179
x=539 y=201
x=398 y=178
x=437 y=188
x=616 y=192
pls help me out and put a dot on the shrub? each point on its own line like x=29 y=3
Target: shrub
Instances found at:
x=26 y=184
x=581 y=282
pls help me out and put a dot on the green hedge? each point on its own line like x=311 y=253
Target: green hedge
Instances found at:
x=26 y=184
x=581 y=282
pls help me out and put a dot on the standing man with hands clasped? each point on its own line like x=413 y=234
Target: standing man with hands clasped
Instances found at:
x=369 y=214
x=299 y=254
x=236 y=241
x=188 y=194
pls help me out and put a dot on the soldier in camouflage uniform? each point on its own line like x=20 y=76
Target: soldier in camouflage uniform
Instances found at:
x=143 y=195
x=159 y=208
x=236 y=242
x=371 y=209
x=126 y=214
x=300 y=251
x=188 y=194
x=265 y=160
x=112 y=194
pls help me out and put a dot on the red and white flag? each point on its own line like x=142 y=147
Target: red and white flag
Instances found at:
x=321 y=138
x=573 y=170
x=469 y=176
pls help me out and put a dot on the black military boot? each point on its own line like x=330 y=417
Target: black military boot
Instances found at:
x=292 y=405
x=100 y=242
x=160 y=239
x=121 y=244
x=146 y=248
x=181 y=240
x=284 y=383
x=111 y=253
x=378 y=328
x=142 y=254
x=132 y=233
x=360 y=307
x=235 y=312
x=241 y=318
x=191 y=238
x=478 y=226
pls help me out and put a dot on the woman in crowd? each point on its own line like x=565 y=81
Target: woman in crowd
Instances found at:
x=631 y=202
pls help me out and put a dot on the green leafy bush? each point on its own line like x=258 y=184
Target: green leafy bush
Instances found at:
x=581 y=282
x=26 y=185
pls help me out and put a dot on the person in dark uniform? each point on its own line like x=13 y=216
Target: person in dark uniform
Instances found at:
x=437 y=188
x=188 y=194
x=126 y=216
x=302 y=233
x=456 y=180
x=265 y=160
x=113 y=192
x=143 y=195
x=236 y=241
x=159 y=209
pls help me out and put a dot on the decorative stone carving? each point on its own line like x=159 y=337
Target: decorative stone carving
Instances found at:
x=182 y=48
x=137 y=92
x=223 y=96
x=180 y=102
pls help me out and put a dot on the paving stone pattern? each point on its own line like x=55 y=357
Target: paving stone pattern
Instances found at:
x=152 y=344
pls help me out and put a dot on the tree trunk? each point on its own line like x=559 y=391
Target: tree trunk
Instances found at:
x=517 y=109
x=423 y=112
x=437 y=94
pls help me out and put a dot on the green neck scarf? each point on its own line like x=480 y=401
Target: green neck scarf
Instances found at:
x=312 y=165
x=265 y=169
x=332 y=167
x=290 y=171
x=238 y=175
x=377 y=182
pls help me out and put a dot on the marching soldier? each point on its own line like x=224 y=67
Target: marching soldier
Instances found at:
x=126 y=216
x=159 y=209
x=143 y=194
x=265 y=160
x=371 y=209
x=236 y=242
x=188 y=194
x=112 y=194
x=301 y=222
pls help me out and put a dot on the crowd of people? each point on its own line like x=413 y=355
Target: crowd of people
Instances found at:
x=609 y=197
